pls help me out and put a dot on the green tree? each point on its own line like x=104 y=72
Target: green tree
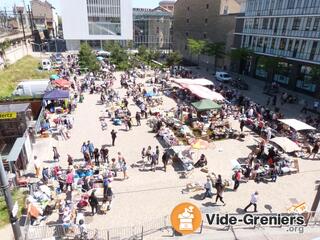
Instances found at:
x=118 y=55
x=196 y=47
x=315 y=74
x=173 y=58
x=87 y=58
x=3 y=47
x=270 y=65
x=215 y=50
x=142 y=51
x=241 y=55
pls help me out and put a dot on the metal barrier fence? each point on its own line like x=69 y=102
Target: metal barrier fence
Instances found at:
x=122 y=233
x=138 y=232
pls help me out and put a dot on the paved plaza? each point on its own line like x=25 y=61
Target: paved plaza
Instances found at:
x=147 y=196
x=150 y=195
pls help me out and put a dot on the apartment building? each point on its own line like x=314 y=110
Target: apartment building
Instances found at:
x=209 y=20
x=44 y=16
x=96 y=21
x=289 y=32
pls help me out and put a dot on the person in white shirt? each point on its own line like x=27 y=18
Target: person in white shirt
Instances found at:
x=208 y=188
x=253 y=201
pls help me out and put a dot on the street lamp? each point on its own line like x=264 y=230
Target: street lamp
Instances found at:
x=7 y=195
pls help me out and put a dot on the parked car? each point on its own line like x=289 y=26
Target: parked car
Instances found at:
x=223 y=77
x=46 y=65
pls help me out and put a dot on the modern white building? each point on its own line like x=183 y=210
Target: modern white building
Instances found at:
x=96 y=21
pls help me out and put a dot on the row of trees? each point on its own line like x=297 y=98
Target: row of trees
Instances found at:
x=198 y=47
x=122 y=59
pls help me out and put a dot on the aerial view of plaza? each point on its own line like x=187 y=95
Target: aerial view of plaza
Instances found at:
x=160 y=119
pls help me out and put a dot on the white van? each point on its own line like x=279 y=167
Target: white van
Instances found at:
x=223 y=77
x=31 y=88
x=46 y=64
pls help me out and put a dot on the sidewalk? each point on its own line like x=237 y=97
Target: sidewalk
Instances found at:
x=255 y=92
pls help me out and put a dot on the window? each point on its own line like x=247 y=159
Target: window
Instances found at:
x=283 y=42
x=315 y=3
x=279 y=4
x=306 y=3
x=290 y=44
x=206 y=20
x=225 y=10
x=273 y=43
x=207 y=6
x=271 y=23
x=308 y=25
x=303 y=46
x=276 y=24
x=284 y=26
x=260 y=42
x=291 y=4
x=316 y=24
x=313 y=50
x=296 y=23
x=188 y=8
x=188 y=20
x=205 y=35
x=256 y=23
x=187 y=34
x=265 y=23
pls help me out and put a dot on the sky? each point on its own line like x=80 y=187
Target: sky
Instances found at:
x=56 y=3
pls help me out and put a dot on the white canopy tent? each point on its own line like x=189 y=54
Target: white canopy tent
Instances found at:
x=197 y=81
x=204 y=93
x=296 y=124
x=286 y=144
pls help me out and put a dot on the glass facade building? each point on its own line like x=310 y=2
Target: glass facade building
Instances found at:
x=104 y=17
x=152 y=28
x=288 y=30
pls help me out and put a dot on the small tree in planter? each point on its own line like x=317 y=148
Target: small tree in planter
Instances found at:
x=196 y=47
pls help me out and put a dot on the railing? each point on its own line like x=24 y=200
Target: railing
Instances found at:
x=124 y=233
x=138 y=232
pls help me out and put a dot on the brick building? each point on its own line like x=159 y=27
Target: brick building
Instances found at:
x=210 y=20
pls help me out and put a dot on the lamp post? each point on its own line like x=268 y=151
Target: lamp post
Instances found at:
x=8 y=198
x=24 y=34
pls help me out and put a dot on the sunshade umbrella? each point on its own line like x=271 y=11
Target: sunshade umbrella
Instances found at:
x=149 y=94
x=54 y=77
x=200 y=144
x=62 y=83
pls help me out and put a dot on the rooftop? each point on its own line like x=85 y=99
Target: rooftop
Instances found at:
x=19 y=107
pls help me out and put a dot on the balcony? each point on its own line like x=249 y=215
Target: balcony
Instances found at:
x=303 y=56
x=284 y=12
x=283 y=33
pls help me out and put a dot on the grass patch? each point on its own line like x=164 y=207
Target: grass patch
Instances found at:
x=24 y=69
x=17 y=195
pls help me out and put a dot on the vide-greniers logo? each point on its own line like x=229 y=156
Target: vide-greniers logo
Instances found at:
x=186 y=218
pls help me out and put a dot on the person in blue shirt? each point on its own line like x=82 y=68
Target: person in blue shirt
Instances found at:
x=91 y=149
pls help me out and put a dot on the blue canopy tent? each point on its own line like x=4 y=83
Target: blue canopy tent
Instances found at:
x=56 y=94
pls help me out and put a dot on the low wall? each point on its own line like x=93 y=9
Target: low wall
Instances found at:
x=15 y=53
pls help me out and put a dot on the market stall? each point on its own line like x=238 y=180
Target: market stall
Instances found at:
x=205 y=105
x=286 y=144
x=197 y=81
x=204 y=93
x=296 y=124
